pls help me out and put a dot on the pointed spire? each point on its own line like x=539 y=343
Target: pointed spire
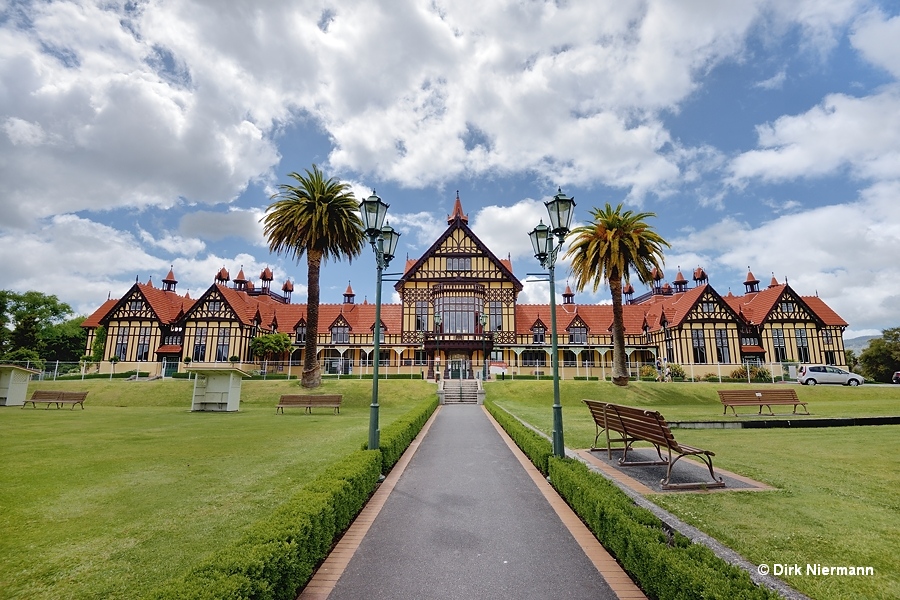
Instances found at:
x=349 y=296
x=751 y=283
x=568 y=296
x=774 y=281
x=222 y=276
x=150 y=281
x=170 y=282
x=457 y=212
x=240 y=281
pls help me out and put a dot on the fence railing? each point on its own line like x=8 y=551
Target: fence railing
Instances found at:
x=398 y=367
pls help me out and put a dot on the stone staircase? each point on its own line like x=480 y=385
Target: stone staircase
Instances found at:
x=460 y=391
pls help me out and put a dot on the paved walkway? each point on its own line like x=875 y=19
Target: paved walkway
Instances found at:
x=465 y=518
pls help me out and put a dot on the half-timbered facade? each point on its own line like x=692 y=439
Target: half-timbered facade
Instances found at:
x=459 y=311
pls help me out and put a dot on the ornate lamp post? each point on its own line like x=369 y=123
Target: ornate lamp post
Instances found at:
x=384 y=241
x=483 y=319
x=438 y=319
x=546 y=249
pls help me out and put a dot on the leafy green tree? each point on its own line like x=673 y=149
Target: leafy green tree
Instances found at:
x=98 y=347
x=6 y=298
x=317 y=218
x=851 y=359
x=609 y=249
x=25 y=357
x=270 y=346
x=25 y=318
x=65 y=341
x=881 y=358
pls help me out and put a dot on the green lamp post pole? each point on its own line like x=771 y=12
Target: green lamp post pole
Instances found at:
x=384 y=242
x=438 y=320
x=483 y=319
x=546 y=249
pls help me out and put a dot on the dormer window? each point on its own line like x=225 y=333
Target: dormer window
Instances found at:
x=538 y=334
x=578 y=335
x=340 y=334
x=300 y=334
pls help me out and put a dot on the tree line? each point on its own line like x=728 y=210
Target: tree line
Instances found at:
x=880 y=359
x=36 y=327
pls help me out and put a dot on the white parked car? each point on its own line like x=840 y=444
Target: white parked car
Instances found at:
x=815 y=374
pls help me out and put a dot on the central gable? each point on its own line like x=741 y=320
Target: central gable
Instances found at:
x=458 y=255
x=214 y=305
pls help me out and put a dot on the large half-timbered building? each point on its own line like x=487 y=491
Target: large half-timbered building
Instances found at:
x=459 y=307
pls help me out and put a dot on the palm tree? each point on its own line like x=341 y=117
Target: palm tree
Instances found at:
x=318 y=218
x=610 y=248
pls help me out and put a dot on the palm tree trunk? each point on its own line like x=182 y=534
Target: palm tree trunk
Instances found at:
x=620 y=368
x=312 y=374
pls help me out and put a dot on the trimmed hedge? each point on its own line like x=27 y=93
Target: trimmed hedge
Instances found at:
x=277 y=555
x=664 y=564
x=535 y=446
x=396 y=437
x=381 y=376
x=123 y=375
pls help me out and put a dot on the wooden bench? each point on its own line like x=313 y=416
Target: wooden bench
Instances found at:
x=309 y=402
x=637 y=425
x=760 y=398
x=57 y=398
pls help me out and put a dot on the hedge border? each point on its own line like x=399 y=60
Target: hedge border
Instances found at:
x=277 y=555
x=665 y=564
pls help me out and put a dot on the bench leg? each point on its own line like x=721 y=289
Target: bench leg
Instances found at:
x=716 y=482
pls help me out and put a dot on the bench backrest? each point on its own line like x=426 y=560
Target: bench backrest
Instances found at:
x=45 y=395
x=597 y=411
x=73 y=396
x=783 y=394
x=647 y=425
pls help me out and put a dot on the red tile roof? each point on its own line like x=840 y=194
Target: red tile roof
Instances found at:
x=97 y=316
x=823 y=311
x=169 y=349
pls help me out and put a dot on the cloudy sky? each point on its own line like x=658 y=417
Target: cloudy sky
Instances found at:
x=762 y=133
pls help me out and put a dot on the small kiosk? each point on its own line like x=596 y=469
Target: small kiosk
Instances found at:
x=14 y=384
x=216 y=388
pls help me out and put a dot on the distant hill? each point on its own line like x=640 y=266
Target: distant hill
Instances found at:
x=858 y=344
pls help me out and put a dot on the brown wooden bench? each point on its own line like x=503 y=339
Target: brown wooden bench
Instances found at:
x=638 y=425
x=309 y=402
x=760 y=398
x=57 y=398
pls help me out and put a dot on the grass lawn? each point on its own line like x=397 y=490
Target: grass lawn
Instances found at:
x=111 y=501
x=837 y=502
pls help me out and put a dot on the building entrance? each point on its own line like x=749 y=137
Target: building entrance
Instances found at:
x=460 y=366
